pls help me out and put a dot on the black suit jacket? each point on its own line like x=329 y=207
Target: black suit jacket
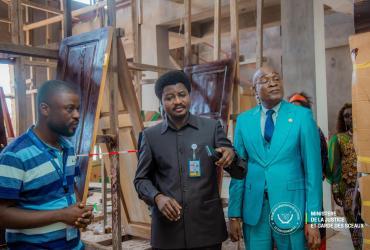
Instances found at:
x=163 y=168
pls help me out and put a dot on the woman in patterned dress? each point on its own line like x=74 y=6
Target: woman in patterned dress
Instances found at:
x=342 y=172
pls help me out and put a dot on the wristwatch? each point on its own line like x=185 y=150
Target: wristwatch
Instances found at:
x=234 y=219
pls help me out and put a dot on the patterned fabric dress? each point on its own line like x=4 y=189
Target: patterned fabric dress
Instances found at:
x=342 y=174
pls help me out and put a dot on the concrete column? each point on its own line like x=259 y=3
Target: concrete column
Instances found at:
x=304 y=67
x=303 y=45
x=155 y=51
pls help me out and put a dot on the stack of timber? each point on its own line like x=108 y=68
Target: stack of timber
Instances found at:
x=360 y=50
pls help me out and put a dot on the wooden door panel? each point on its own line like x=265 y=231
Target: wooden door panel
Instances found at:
x=211 y=91
x=83 y=60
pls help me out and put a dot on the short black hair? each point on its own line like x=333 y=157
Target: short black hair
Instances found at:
x=52 y=87
x=171 y=78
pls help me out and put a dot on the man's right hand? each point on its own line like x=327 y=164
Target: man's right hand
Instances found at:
x=71 y=214
x=169 y=207
x=235 y=230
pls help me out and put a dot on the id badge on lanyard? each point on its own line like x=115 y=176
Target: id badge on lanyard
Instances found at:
x=194 y=169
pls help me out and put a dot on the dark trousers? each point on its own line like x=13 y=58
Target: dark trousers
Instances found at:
x=213 y=247
x=2 y=237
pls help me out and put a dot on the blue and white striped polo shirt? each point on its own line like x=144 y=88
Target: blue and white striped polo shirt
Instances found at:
x=28 y=177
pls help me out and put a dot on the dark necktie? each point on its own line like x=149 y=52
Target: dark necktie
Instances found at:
x=269 y=125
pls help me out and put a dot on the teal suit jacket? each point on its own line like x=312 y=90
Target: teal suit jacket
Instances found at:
x=291 y=167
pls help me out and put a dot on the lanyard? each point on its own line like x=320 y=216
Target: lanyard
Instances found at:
x=62 y=175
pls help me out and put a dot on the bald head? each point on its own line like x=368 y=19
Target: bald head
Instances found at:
x=264 y=70
x=268 y=86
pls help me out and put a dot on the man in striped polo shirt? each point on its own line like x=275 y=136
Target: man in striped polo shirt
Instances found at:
x=37 y=199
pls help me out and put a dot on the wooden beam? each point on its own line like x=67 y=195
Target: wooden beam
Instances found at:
x=247 y=21
x=259 y=33
x=251 y=61
x=209 y=14
x=47 y=41
x=2 y=20
x=147 y=67
x=40 y=63
x=41 y=7
x=124 y=121
x=62 y=24
x=136 y=34
x=234 y=35
x=127 y=93
x=67 y=20
x=217 y=31
x=23 y=50
x=113 y=108
x=188 y=54
x=59 y=18
x=31 y=70
x=16 y=16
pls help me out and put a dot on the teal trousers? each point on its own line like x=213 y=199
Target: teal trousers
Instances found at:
x=262 y=237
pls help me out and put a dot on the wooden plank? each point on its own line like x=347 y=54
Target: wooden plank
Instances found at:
x=38 y=6
x=217 y=31
x=113 y=108
x=40 y=63
x=362 y=15
x=16 y=49
x=211 y=89
x=7 y=119
x=259 y=33
x=135 y=213
x=67 y=20
x=84 y=61
x=136 y=33
x=251 y=61
x=47 y=41
x=19 y=79
x=59 y=18
x=2 y=20
x=234 y=35
x=211 y=92
x=147 y=67
x=127 y=92
x=3 y=137
x=31 y=71
x=124 y=121
x=187 y=51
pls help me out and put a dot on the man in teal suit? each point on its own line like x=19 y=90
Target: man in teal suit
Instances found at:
x=280 y=199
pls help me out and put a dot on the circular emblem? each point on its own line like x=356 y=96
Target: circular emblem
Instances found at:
x=194 y=146
x=285 y=218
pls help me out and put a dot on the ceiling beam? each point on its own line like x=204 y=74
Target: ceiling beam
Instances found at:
x=342 y=6
x=14 y=49
x=59 y=18
x=41 y=7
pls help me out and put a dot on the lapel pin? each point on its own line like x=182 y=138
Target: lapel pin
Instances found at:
x=290 y=120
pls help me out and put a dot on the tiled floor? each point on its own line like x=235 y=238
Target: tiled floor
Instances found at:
x=340 y=241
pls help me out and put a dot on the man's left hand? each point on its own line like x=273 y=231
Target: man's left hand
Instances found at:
x=227 y=157
x=312 y=236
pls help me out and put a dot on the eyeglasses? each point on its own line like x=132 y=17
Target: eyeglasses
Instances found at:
x=347 y=115
x=265 y=79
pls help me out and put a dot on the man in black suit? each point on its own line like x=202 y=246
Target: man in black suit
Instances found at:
x=177 y=178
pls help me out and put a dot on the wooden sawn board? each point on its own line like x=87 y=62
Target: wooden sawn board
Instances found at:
x=211 y=92
x=211 y=89
x=83 y=60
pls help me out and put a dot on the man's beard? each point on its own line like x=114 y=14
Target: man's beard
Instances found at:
x=62 y=130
